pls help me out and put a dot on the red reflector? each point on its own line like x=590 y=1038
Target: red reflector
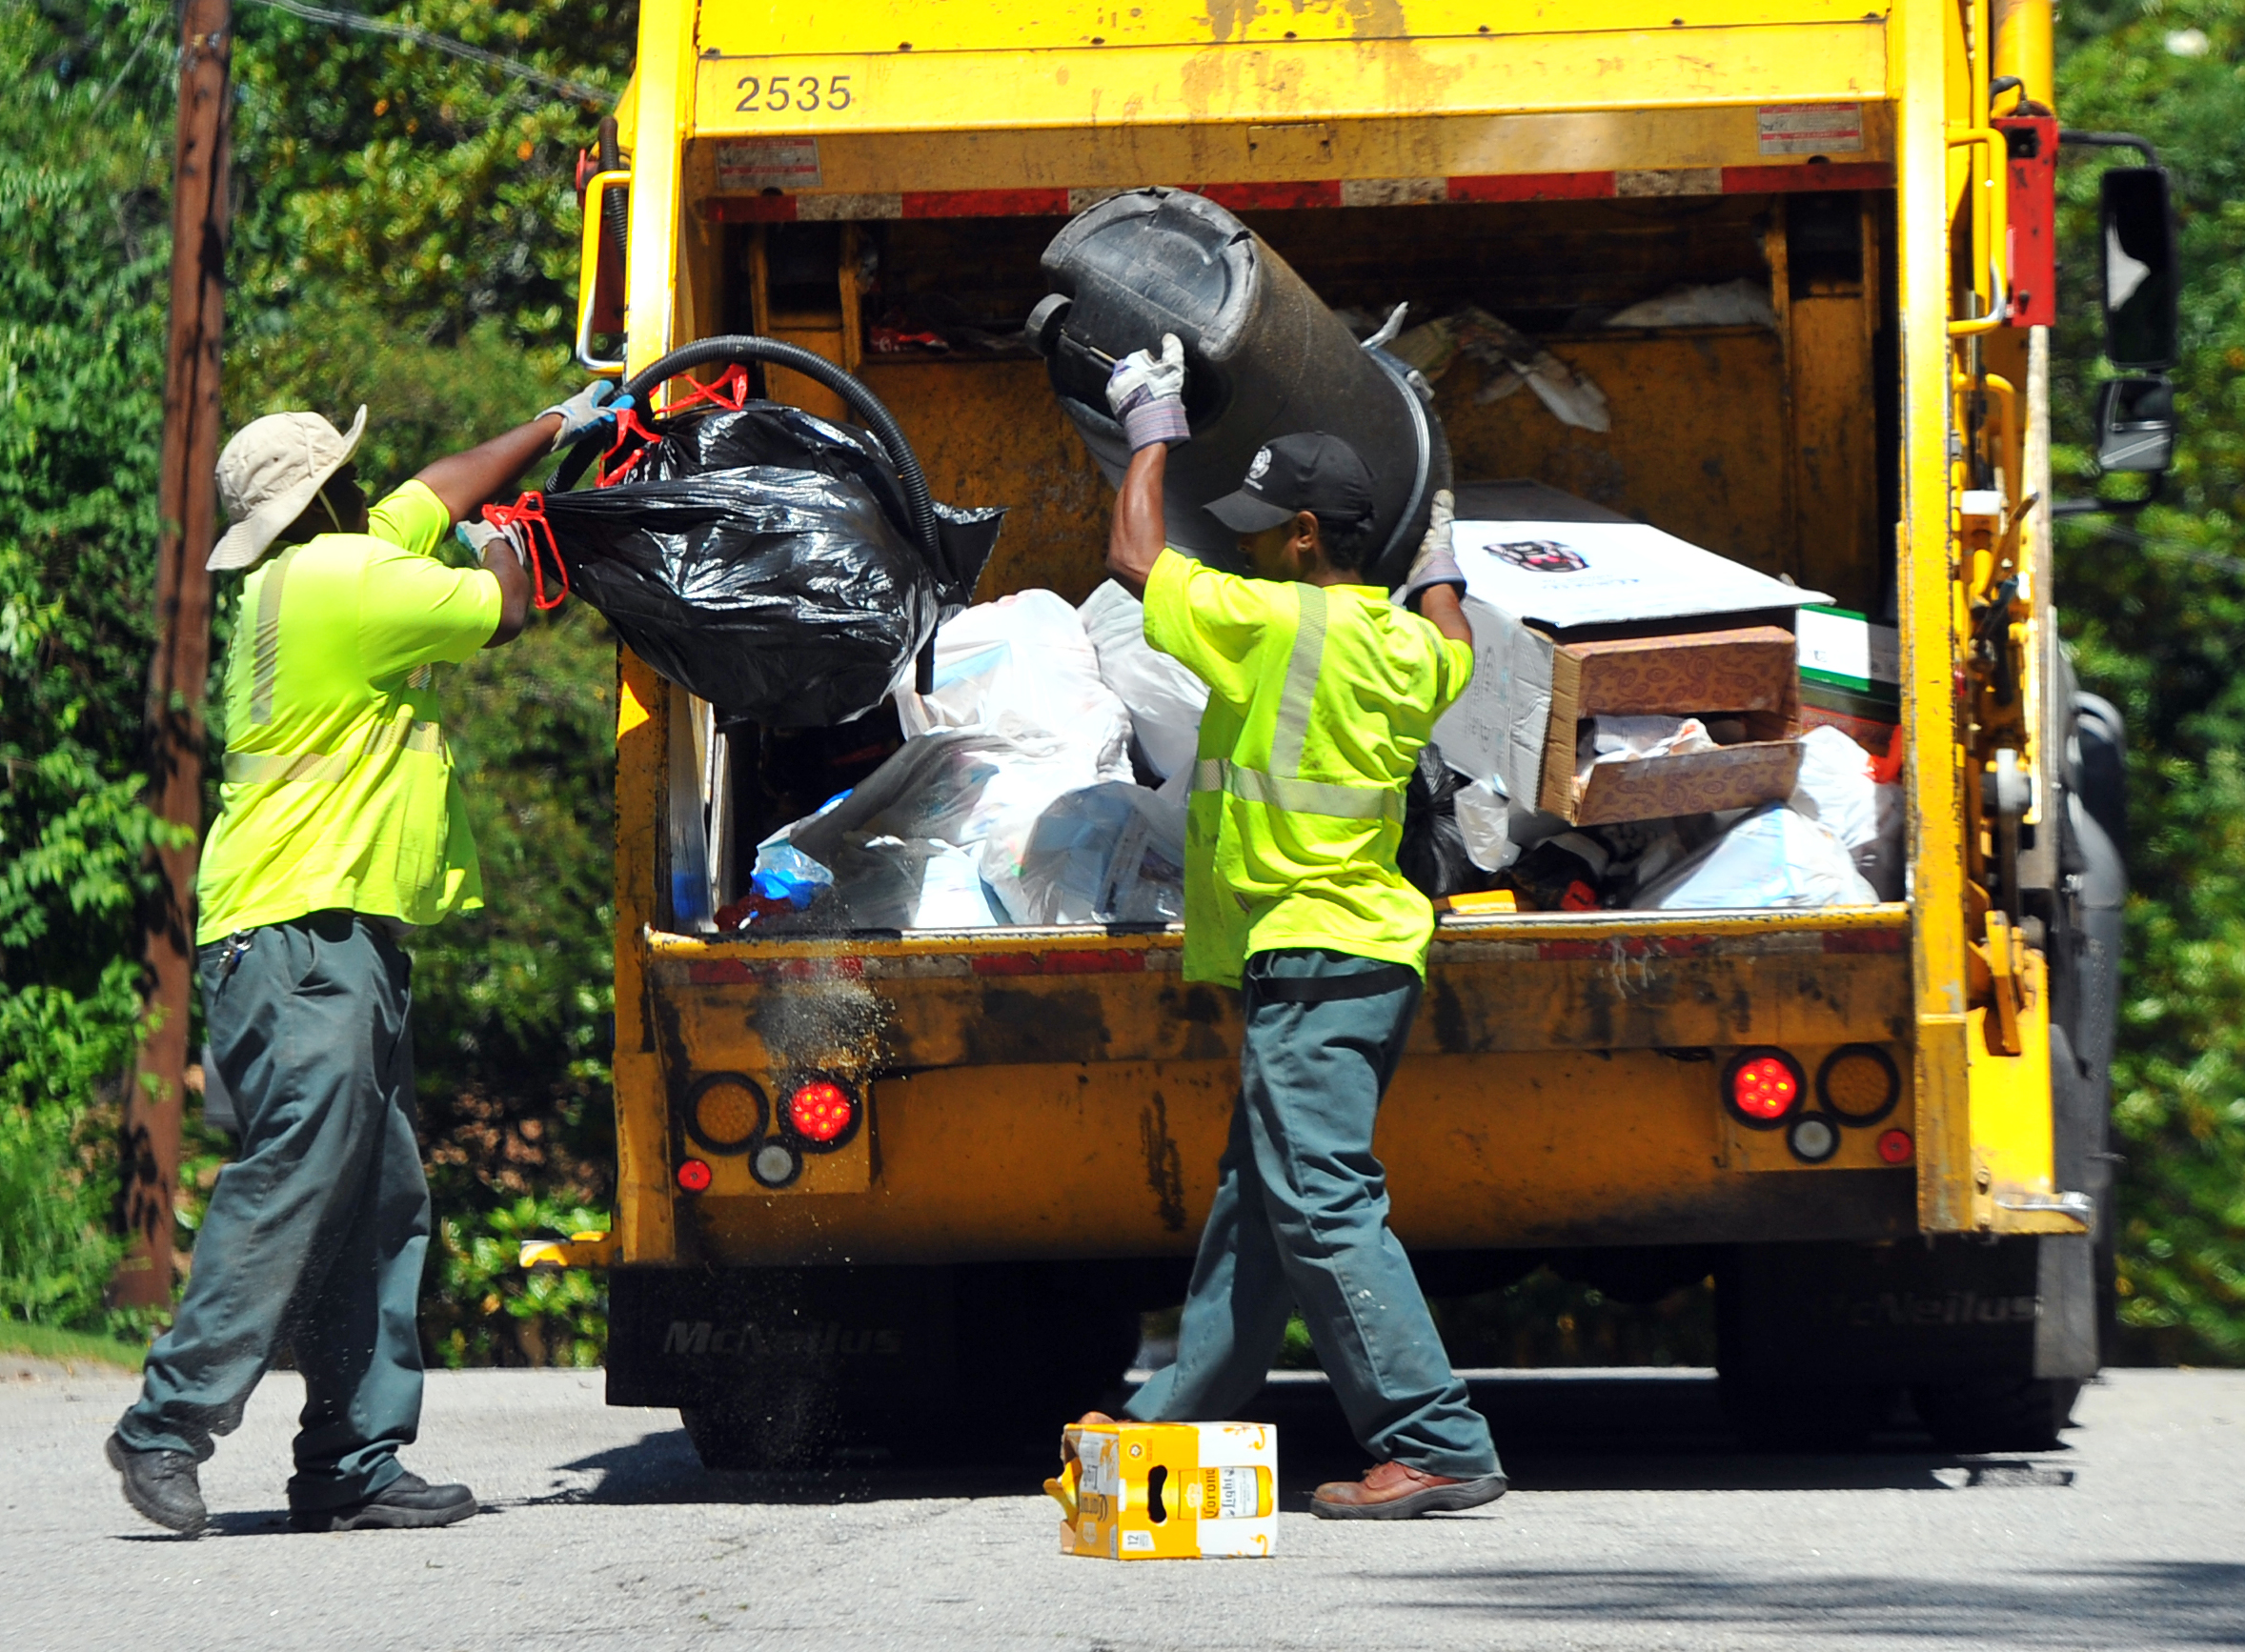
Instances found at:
x=1765 y=1088
x=694 y=1176
x=820 y=1112
x=1895 y=1146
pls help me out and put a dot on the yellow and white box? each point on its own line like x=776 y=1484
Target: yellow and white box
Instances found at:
x=1168 y=1491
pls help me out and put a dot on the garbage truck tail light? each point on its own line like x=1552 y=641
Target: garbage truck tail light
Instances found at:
x=1762 y=1087
x=725 y=1112
x=1859 y=1083
x=820 y=1113
x=694 y=1176
x=1895 y=1146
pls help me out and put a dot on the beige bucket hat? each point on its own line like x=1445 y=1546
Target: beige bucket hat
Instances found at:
x=270 y=474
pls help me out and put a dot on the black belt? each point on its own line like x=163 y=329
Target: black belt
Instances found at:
x=1371 y=983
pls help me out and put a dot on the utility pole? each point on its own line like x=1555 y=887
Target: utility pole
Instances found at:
x=187 y=503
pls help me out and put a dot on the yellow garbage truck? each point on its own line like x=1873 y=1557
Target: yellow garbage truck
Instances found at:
x=862 y=1175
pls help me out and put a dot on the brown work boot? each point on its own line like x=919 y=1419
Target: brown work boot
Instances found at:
x=1389 y=1491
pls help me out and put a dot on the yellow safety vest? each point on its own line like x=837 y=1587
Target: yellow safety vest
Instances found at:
x=1319 y=701
x=337 y=789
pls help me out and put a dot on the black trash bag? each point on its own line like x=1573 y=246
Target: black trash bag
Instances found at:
x=1432 y=854
x=764 y=561
x=764 y=432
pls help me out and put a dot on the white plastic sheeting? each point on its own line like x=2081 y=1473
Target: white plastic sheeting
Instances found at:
x=1111 y=854
x=1608 y=739
x=1776 y=856
x=1164 y=699
x=1019 y=665
x=1837 y=788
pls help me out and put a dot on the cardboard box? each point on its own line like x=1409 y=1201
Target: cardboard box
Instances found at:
x=1747 y=672
x=1175 y=1491
x=1850 y=676
x=1546 y=573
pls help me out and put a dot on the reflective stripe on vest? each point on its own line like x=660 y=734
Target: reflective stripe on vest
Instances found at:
x=1282 y=786
x=267 y=768
x=264 y=658
x=1296 y=796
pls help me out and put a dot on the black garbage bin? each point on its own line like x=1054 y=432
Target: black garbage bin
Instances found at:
x=1265 y=358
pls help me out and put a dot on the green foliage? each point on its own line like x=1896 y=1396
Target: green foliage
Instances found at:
x=82 y=315
x=488 y=1311
x=82 y=309
x=2154 y=608
x=57 y=1157
x=68 y=1348
x=428 y=191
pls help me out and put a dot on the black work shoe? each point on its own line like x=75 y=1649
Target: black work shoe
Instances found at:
x=407 y=1501
x=162 y=1485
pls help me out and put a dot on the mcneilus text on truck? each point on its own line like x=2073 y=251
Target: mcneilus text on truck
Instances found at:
x=1030 y=1118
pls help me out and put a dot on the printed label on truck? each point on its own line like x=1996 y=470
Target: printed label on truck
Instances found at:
x=751 y=1341
x=757 y=164
x=1809 y=128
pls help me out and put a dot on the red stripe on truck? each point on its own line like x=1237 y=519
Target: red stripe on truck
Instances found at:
x=1830 y=175
x=1270 y=197
x=749 y=209
x=985 y=203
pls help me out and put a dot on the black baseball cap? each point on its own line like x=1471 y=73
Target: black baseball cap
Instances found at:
x=1311 y=472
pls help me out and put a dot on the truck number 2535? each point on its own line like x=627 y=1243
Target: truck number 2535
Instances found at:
x=760 y=95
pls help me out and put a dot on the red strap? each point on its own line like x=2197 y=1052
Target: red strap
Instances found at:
x=728 y=391
x=1887 y=768
x=529 y=512
x=627 y=426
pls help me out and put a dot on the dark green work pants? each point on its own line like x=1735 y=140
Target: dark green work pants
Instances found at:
x=1300 y=1216
x=315 y=1235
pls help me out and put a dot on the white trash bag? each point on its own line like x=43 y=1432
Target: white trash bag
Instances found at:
x=1836 y=788
x=885 y=882
x=1164 y=699
x=1484 y=821
x=972 y=788
x=1776 y=856
x=1017 y=666
x=1109 y=854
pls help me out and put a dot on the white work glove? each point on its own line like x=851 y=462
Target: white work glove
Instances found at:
x=1147 y=394
x=480 y=536
x=1437 y=561
x=586 y=411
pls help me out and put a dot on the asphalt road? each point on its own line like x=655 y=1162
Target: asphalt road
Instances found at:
x=1634 y=1525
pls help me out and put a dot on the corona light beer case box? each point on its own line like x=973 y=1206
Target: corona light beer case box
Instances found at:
x=1175 y=1491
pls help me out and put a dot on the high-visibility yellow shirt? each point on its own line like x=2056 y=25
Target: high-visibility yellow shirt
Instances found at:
x=1319 y=698
x=338 y=790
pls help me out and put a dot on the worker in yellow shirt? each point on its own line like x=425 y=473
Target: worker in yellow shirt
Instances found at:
x=340 y=828
x=1321 y=691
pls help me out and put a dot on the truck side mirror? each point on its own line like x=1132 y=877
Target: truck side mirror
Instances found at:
x=2136 y=424
x=2140 y=270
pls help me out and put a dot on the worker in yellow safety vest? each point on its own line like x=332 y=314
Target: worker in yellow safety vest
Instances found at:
x=341 y=828
x=1322 y=692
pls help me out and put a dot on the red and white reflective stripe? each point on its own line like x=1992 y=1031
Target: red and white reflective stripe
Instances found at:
x=1055 y=203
